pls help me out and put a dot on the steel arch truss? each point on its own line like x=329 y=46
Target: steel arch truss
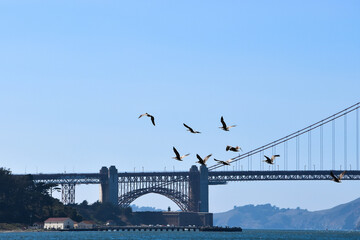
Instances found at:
x=174 y=186
x=179 y=198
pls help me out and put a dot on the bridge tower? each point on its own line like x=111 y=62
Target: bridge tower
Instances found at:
x=194 y=189
x=109 y=185
x=204 y=189
x=198 y=189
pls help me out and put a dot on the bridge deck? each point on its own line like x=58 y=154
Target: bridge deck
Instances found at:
x=221 y=177
x=215 y=177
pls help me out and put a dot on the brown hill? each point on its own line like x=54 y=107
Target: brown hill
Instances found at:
x=343 y=217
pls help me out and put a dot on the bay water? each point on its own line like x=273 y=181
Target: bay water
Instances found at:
x=246 y=234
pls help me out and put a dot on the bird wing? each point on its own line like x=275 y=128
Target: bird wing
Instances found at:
x=274 y=156
x=152 y=119
x=200 y=159
x=142 y=115
x=220 y=161
x=207 y=157
x=185 y=155
x=223 y=122
x=342 y=174
x=228 y=148
x=230 y=160
x=188 y=127
x=332 y=175
x=267 y=158
x=176 y=153
x=232 y=126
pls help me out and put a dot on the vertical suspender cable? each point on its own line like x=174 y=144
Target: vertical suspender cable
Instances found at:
x=248 y=163
x=273 y=152
x=321 y=148
x=260 y=161
x=333 y=144
x=309 y=149
x=357 y=139
x=287 y=156
x=297 y=150
x=345 y=142
x=251 y=162
x=284 y=155
x=297 y=153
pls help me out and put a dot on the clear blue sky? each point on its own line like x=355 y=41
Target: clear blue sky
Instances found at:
x=75 y=76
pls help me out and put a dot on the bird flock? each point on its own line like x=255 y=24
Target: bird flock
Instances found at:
x=225 y=127
x=202 y=161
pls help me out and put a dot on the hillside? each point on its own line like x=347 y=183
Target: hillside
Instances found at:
x=22 y=202
x=343 y=217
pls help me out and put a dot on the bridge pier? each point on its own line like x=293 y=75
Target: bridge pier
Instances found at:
x=198 y=189
x=109 y=185
x=68 y=193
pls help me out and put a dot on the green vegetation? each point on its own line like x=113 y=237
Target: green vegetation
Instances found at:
x=102 y=212
x=12 y=227
x=24 y=202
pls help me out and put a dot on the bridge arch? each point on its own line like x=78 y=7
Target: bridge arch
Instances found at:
x=181 y=200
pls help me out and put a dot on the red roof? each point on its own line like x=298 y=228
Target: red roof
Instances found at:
x=57 y=219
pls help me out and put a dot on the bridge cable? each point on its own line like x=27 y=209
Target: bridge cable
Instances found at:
x=345 y=142
x=357 y=139
x=321 y=148
x=286 y=156
x=294 y=134
x=297 y=153
x=333 y=144
x=309 y=150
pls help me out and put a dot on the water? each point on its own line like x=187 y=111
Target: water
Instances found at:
x=246 y=234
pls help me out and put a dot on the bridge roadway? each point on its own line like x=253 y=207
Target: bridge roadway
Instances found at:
x=214 y=177
x=189 y=190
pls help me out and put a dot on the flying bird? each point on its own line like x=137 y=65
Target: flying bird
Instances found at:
x=270 y=160
x=203 y=161
x=190 y=129
x=177 y=157
x=224 y=126
x=337 y=179
x=225 y=162
x=150 y=116
x=234 y=149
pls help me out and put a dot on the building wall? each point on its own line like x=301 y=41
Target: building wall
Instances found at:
x=59 y=225
x=82 y=225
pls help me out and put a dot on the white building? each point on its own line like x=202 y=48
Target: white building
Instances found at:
x=86 y=225
x=58 y=223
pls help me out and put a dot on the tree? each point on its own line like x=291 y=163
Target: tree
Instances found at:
x=23 y=201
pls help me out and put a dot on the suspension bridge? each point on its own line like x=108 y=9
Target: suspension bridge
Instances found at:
x=331 y=144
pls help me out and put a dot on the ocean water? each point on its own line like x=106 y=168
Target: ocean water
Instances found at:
x=246 y=234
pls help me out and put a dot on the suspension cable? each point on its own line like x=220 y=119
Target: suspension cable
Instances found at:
x=293 y=135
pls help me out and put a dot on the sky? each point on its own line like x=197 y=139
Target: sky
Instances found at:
x=75 y=76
